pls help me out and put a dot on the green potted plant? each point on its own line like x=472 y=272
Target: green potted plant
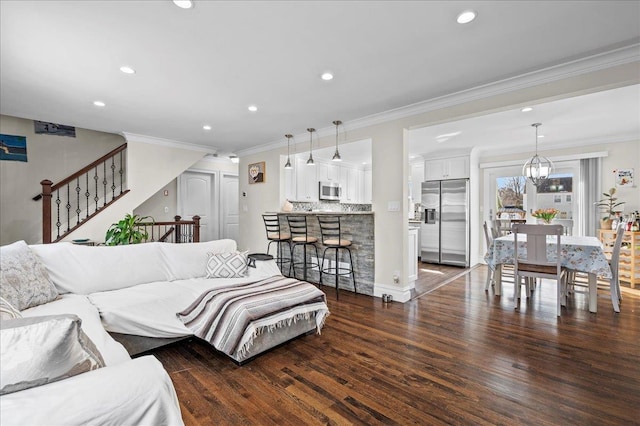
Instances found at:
x=127 y=231
x=608 y=205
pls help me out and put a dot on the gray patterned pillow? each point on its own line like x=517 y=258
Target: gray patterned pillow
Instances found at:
x=7 y=311
x=24 y=281
x=40 y=350
x=227 y=265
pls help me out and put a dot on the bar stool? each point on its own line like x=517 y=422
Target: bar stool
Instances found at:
x=332 y=240
x=276 y=235
x=300 y=237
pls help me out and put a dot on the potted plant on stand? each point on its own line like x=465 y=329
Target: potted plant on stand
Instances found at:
x=608 y=205
x=127 y=231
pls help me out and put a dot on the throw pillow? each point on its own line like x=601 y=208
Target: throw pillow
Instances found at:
x=227 y=265
x=7 y=311
x=38 y=350
x=24 y=280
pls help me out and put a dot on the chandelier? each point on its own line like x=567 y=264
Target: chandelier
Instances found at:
x=538 y=168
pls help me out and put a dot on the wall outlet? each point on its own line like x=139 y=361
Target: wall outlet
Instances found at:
x=396 y=277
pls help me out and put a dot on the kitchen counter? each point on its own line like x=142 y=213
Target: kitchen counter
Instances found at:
x=316 y=213
x=358 y=227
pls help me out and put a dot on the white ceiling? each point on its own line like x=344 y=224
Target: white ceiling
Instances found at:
x=207 y=64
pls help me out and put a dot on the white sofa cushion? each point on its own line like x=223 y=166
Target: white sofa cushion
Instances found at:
x=189 y=260
x=112 y=351
x=39 y=350
x=138 y=392
x=24 y=280
x=84 y=270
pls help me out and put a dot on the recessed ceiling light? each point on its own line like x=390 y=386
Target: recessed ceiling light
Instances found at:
x=466 y=17
x=206 y=127
x=526 y=109
x=327 y=76
x=252 y=108
x=127 y=70
x=99 y=103
x=540 y=136
x=183 y=4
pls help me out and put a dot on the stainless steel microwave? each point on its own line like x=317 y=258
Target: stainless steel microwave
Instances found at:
x=330 y=191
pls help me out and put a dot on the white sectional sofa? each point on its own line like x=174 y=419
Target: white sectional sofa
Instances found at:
x=134 y=290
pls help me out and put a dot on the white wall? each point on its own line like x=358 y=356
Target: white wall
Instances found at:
x=49 y=157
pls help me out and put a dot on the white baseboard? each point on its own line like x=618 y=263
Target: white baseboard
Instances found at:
x=401 y=295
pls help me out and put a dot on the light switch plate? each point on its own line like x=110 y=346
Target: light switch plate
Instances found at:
x=393 y=206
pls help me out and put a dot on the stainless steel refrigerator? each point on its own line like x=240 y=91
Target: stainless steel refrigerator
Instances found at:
x=445 y=228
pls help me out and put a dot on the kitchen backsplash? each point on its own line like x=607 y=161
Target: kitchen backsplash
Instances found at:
x=330 y=207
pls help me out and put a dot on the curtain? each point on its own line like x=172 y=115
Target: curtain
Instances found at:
x=590 y=188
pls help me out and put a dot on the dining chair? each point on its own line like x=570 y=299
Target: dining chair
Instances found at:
x=488 y=238
x=614 y=263
x=535 y=262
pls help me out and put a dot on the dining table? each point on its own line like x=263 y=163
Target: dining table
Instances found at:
x=578 y=253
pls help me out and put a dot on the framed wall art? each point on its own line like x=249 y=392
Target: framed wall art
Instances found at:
x=624 y=177
x=13 y=148
x=257 y=173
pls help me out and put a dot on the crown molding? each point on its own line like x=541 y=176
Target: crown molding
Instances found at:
x=616 y=57
x=134 y=137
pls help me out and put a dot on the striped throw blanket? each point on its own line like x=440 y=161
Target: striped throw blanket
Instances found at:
x=230 y=317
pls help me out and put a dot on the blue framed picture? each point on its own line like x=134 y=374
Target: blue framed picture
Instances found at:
x=13 y=148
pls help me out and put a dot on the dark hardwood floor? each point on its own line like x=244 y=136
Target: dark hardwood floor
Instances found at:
x=457 y=355
x=432 y=276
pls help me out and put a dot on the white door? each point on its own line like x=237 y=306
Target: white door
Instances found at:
x=229 y=207
x=196 y=197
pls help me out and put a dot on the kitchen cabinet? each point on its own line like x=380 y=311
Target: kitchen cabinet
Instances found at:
x=349 y=184
x=447 y=168
x=412 y=255
x=328 y=171
x=417 y=177
x=289 y=176
x=629 y=264
x=306 y=181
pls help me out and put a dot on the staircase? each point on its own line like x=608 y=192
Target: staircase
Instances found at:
x=87 y=202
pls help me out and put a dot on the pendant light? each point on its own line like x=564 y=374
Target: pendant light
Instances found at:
x=288 y=163
x=538 y=168
x=336 y=156
x=310 y=161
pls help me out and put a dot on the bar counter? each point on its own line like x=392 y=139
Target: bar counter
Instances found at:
x=358 y=227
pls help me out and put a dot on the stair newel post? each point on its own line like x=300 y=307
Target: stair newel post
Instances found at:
x=178 y=236
x=196 y=229
x=46 y=211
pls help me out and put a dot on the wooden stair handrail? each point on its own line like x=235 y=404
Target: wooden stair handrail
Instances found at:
x=89 y=167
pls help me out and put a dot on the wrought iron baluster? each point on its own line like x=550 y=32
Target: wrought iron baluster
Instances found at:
x=104 y=183
x=78 y=200
x=96 y=178
x=113 y=178
x=87 y=194
x=58 y=223
x=121 y=172
x=68 y=206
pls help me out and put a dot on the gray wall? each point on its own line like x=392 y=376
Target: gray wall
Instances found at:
x=49 y=157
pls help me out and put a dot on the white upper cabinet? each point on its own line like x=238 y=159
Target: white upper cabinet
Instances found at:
x=349 y=184
x=447 y=168
x=417 y=177
x=306 y=181
x=328 y=172
x=289 y=176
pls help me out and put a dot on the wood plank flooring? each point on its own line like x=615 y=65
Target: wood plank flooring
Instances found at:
x=457 y=355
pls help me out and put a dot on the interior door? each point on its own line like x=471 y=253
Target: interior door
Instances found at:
x=229 y=206
x=196 y=197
